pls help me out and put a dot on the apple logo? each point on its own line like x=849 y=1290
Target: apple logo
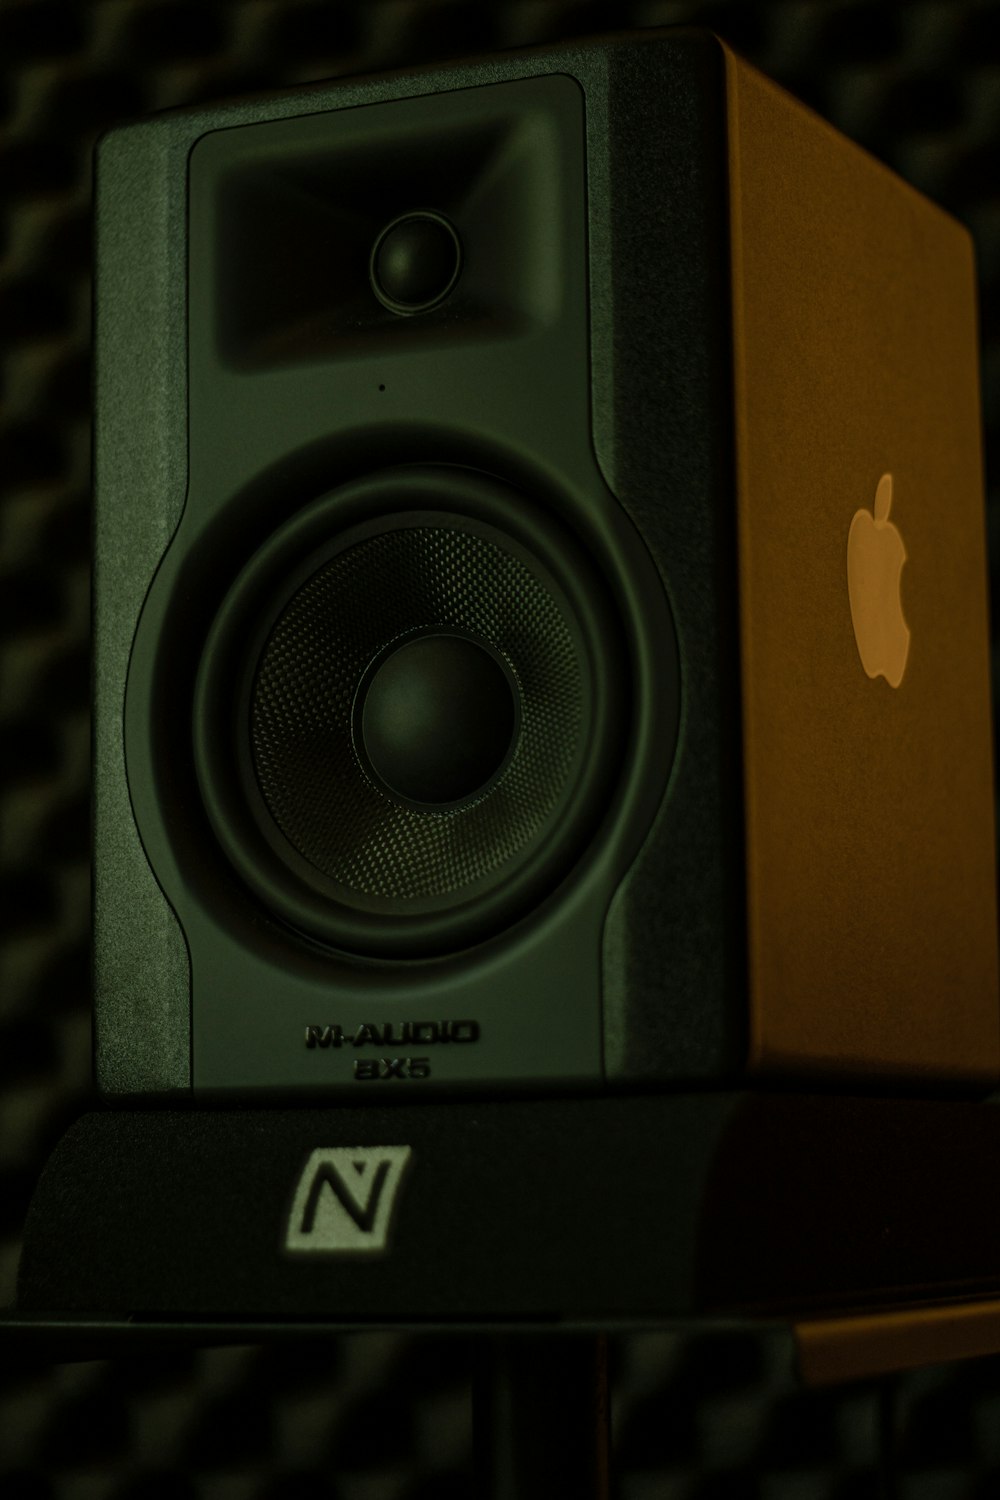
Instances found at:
x=875 y=558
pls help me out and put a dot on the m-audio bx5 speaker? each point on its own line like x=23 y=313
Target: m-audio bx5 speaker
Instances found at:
x=540 y=602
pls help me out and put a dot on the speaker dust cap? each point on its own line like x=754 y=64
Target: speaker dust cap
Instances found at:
x=409 y=712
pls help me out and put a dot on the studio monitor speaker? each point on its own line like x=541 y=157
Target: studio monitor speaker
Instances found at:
x=541 y=633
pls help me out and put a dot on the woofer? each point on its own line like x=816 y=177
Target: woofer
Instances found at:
x=406 y=727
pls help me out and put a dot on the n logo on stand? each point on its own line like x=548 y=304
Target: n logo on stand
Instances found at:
x=344 y=1200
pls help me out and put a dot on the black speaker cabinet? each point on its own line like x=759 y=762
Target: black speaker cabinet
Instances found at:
x=506 y=675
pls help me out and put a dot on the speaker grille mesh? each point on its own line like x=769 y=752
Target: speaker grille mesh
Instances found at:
x=308 y=771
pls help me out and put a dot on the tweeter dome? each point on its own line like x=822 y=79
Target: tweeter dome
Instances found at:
x=415 y=262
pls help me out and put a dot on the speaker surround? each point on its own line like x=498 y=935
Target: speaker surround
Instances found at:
x=294 y=681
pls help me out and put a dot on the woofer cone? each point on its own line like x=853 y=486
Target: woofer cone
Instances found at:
x=389 y=616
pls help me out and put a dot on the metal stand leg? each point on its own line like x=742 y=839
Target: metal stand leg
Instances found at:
x=886 y=1420
x=541 y=1417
